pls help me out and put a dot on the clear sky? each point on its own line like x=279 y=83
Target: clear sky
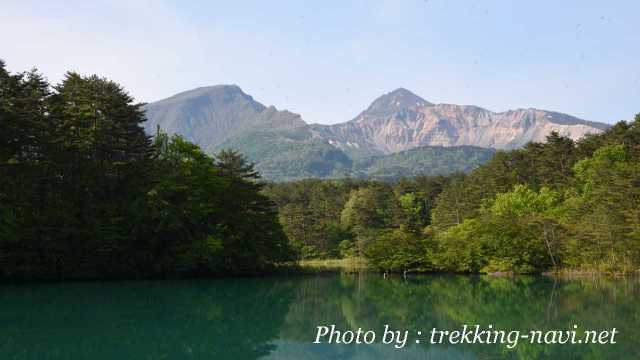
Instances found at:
x=327 y=60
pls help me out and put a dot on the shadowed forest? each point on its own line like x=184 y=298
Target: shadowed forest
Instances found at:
x=85 y=193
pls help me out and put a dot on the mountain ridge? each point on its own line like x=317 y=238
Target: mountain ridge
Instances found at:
x=411 y=122
x=223 y=116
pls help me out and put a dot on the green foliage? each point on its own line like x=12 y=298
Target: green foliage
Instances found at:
x=460 y=249
x=349 y=218
x=399 y=250
x=286 y=155
x=429 y=160
x=517 y=231
x=521 y=202
x=570 y=205
x=603 y=211
x=346 y=249
x=84 y=193
x=544 y=207
x=202 y=203
x=309 y=212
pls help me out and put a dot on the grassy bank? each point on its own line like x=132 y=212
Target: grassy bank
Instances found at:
x=334 y=265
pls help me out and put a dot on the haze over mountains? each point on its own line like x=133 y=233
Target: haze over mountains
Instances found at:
x=401 y=130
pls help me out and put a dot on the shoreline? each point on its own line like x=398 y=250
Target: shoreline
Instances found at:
x=321 y=267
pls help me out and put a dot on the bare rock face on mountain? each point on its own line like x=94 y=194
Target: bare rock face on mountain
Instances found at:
x=401 y=120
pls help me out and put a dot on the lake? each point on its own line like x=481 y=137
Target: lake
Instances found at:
x=277 y=318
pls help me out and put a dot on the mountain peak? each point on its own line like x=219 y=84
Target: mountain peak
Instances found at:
x=401 y=92
x=220 y=92
x=223 y=90
x=394 y=101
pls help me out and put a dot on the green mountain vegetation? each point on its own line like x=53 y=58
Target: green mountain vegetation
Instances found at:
x=427 y=160
x=85 y=193
x=288 y=155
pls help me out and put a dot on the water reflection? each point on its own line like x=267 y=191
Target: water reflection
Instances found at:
x=447 y=302
x=276 y=318
x=220 y=319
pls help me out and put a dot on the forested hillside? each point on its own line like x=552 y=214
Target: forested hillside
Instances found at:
x=426 y=160
x=85 y=193
x=555 y=205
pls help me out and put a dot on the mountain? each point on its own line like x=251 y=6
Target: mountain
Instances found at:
x=399 y=134
x=431 y=160
x=223 y=116
x=211 y=115
x=401 y=120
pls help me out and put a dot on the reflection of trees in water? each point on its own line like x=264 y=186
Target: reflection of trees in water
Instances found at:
x=296 y=350
x=220 y=319
x=447 y=302
x=277 y=318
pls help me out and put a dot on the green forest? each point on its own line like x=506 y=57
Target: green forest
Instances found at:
x=560 y=205
x=85 y=193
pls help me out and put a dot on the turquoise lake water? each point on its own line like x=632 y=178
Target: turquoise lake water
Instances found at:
x=277 y=318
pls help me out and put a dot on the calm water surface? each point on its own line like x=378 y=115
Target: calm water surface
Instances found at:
x=276 y=318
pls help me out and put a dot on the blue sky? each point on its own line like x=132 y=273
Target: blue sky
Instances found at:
x=327 y=60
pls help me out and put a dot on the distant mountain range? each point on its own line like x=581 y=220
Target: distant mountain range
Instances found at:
x=399 y=134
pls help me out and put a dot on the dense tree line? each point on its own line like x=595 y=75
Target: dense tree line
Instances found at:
x=346 y=218
x=85 y=193
x=553 y=205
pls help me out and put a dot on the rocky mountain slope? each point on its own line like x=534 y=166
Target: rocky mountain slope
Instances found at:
x=400 y=120
x=399 y=134
x=208 y=116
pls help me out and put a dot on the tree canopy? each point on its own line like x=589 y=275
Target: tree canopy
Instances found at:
x=85 y=193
